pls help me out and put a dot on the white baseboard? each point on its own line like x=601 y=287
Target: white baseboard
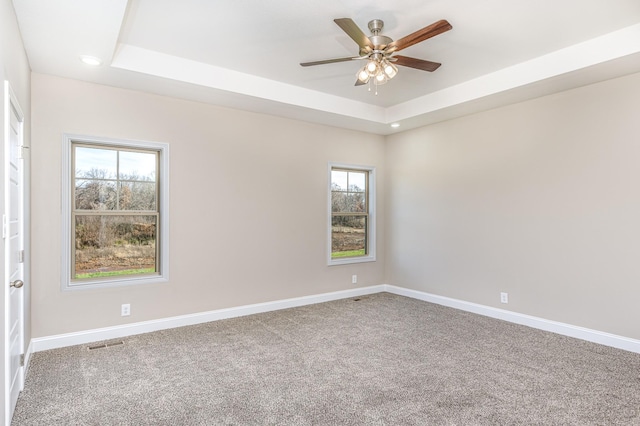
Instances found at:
x=82 y=337
x=587 y=334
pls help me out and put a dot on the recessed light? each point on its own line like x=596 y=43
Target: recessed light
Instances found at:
x=90 y=60
x=395 y=125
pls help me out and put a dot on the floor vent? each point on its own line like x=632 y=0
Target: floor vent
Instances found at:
x=106 y=345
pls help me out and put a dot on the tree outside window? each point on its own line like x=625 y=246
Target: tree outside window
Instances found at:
x=349 y=213
x=115 y=213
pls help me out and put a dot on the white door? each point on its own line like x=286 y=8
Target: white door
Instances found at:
x=13 y=234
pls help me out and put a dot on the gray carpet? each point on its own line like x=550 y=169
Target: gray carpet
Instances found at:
x=379 y=360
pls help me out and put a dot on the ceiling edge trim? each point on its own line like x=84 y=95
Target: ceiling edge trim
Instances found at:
x=601 y=49
x=133 y=58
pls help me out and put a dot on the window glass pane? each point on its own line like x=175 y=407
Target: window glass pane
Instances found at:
x=348 y=236
x=348 y=202
x=114 y=245
x=95 y=194
x=351 y=239
x=137 y=196
x=138 y=166
x=356 y=202
x=357 y=181
x=338 y=202
x=338 y=180
x=96 y=163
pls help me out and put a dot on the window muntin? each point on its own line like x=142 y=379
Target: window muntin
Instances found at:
x=351 y=214
x=115 y=212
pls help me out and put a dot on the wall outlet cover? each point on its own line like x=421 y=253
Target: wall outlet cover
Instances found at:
x=125 y=310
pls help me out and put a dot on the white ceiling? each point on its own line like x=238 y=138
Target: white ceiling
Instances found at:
x=246 y=54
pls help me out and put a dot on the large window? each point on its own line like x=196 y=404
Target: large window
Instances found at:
x=116 y=212
x=352 y=237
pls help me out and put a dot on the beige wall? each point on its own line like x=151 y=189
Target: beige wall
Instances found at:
x=14 y=67
x=539 y=199
x=248 y=204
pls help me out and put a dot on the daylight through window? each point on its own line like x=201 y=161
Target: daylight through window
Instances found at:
x=115 y=211
x=350 y=218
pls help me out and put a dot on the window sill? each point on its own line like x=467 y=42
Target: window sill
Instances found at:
x=351 y=260
x=102 y=283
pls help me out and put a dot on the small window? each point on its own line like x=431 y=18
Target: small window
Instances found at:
x=352 y=216
x=115 y=222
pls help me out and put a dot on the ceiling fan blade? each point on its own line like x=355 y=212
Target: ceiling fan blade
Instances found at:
x=353 y=31
x=418 y=64
x=420 y=35
x=329 y=61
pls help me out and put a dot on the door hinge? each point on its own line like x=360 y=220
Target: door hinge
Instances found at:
x=20 y=256
x=21 y=360
x=22 y=151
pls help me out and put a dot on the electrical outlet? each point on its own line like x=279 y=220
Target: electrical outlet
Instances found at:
x=354 y=279
x=504 y=297
x=125 y=310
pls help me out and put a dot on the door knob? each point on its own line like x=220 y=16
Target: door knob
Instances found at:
x=17 y=283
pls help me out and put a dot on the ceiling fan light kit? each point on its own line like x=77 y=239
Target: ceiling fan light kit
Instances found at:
x=377 y=68
x=379 y=51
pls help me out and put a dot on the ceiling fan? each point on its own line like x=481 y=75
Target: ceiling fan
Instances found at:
x=380 y=51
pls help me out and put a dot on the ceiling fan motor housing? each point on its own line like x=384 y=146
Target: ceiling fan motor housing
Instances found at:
x=379 y=41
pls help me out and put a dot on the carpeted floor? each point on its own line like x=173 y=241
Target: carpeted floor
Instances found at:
x=378 y=360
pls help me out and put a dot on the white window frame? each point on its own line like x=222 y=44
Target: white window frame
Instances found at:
x=67 y=227
x=371 y=222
